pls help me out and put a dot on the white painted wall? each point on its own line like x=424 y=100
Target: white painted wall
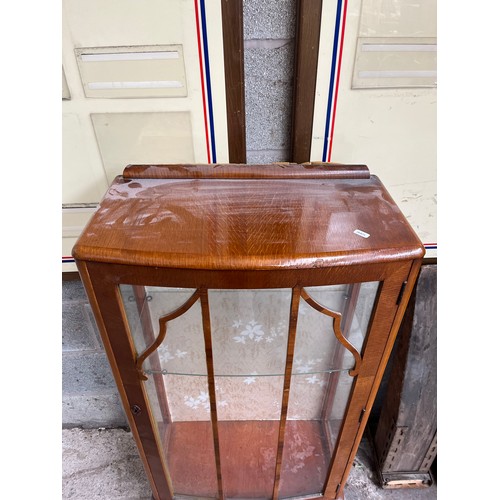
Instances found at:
x=392 y=130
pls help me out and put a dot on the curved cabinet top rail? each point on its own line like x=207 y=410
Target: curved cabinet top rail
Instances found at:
x=247 y=217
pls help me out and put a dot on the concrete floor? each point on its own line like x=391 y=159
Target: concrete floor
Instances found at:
x=104 y=464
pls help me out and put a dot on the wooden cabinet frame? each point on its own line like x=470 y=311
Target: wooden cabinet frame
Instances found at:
x=104 y=265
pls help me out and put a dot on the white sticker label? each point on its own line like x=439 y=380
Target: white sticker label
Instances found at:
x=361 y=233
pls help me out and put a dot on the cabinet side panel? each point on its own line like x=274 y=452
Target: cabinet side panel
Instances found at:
x=111 y=319
x=382 y=331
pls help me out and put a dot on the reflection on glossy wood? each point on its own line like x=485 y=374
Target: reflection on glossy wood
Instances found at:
x=305 y=458
x=248 y=457
x=243 y=171
x=191 y=459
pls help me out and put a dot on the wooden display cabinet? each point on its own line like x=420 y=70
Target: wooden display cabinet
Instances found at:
x=248 y=313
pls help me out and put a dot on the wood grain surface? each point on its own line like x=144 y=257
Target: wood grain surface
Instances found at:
x=306 y=65
x=242 y=171
x=278 y=223
x=232 y=33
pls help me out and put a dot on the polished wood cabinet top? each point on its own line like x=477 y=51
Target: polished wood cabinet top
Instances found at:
x=227 y=217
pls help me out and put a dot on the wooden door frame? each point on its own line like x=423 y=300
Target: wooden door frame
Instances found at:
x=232 y=35
x=102 y=283
x=307 y=37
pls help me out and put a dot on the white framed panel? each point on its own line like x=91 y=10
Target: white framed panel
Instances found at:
x=74 y=219
x=137 y=71
x=82 y=176
x=65 y=89
x=392 y=130
x=137 y=138
x=395 y=63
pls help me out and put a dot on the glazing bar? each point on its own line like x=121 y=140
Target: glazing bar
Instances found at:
x=140 y=296
x=333 y=379
x=207 y=334
x=292 y=329
x=345 y=326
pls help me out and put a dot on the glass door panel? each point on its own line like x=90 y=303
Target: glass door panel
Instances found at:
x=317 y=350
x=249 y=334
x=331 y=328
x=177 y=383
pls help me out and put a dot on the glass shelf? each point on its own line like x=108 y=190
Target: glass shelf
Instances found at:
x=243 y=375
x=249 y=330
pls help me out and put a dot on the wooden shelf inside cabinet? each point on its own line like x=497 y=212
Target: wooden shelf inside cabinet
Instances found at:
x=248 y=313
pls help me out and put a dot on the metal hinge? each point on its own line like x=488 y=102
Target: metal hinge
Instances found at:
x=401 y=292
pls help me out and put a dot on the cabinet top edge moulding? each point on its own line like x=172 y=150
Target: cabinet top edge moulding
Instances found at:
x=235 y=217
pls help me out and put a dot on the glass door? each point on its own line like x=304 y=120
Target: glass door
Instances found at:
x=169 y=322
x=331 y=328
x=249 y=388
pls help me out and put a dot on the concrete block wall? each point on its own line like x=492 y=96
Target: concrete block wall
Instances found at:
x=89 y=395
x=269 y=34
